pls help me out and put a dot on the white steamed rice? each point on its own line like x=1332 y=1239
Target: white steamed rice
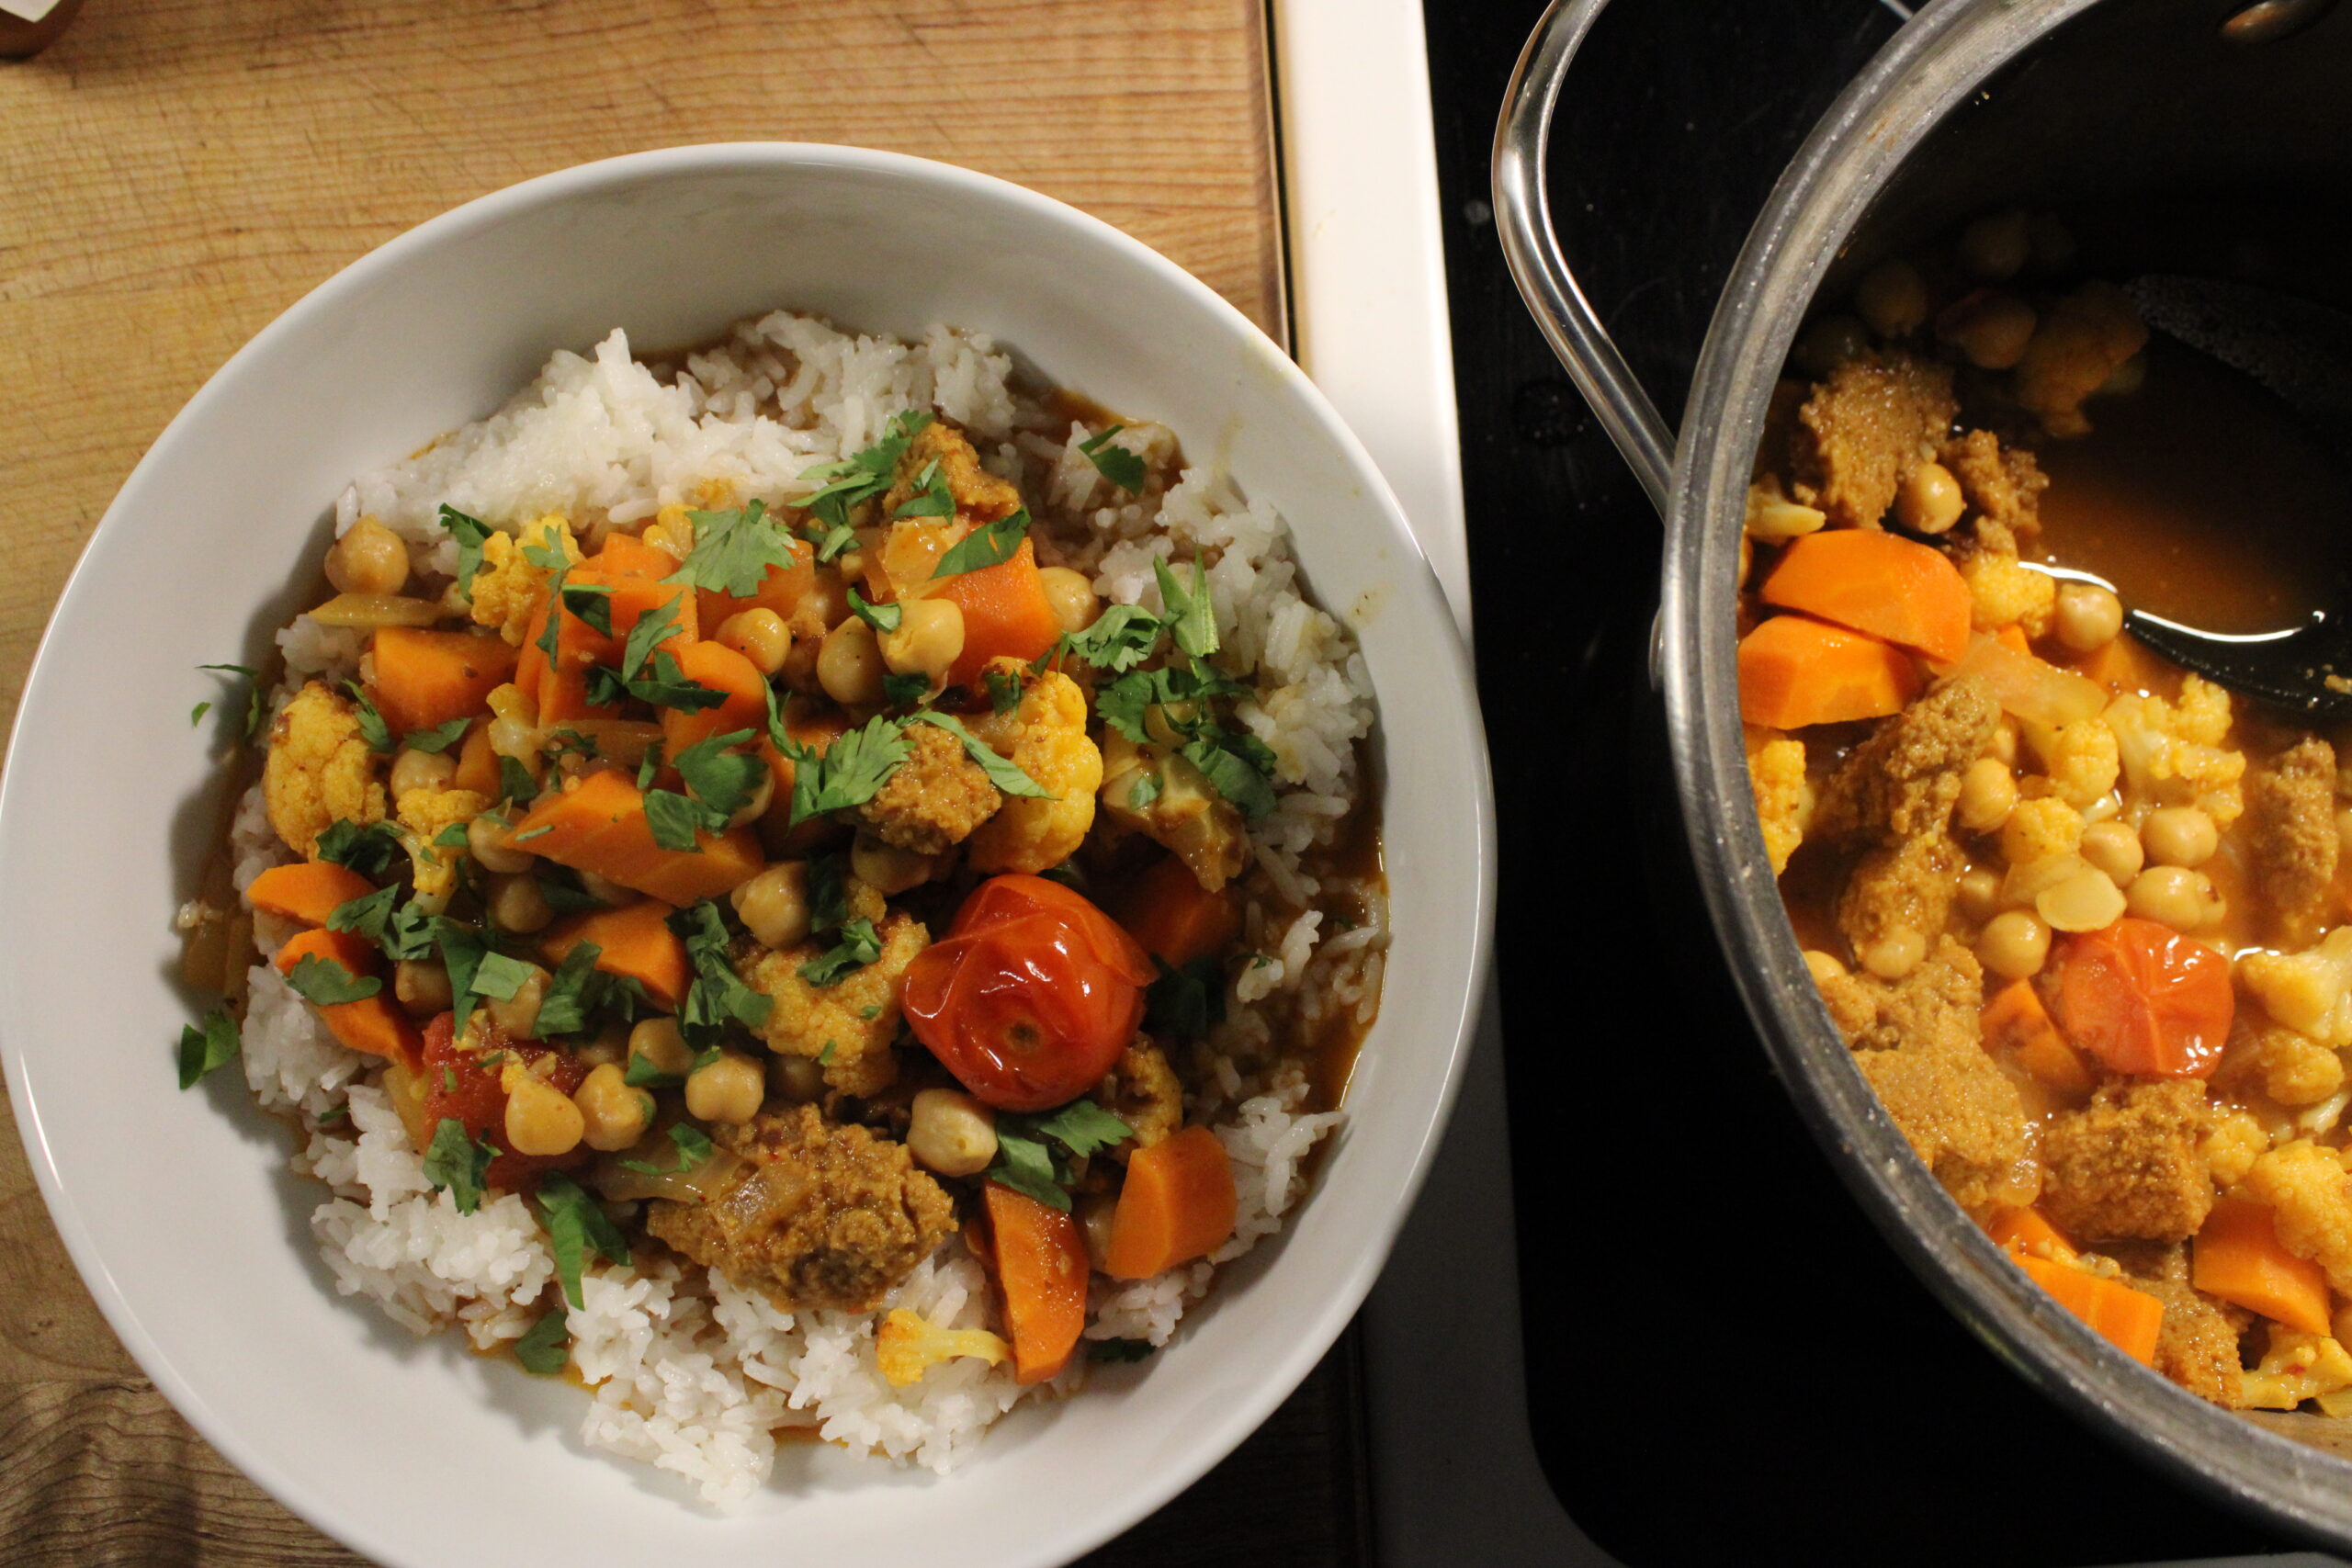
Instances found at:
x=690 y=1374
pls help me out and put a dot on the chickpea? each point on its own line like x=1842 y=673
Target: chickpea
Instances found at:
x=487 y=837
x=2114 y=848
x=541 y=1118
x=849 y=665
x=2176 y=896
x=1895 y=954
x=517 y=906
x=613 y=1115
x=827 y=597
x=951 y=1133
x=1980 y=893
x=1072 y=597
x=610 y=894
x=756 y=805
x=887 y=869
x=774 y=904
x=930 y=639
x=657 y=1043
x=1095 y=1212
x=730 y=1090
x=759 y=636
x=799 y=1080
x=518 y=1015
x=1988 y=792
x=2179 y=835
x=1892 y=298
x=414 y=769
x=1992 y=330
x=2086 y=901
x=1929 y=500
x=610 y=1044
x=2014 y=945
x=2003 y=747
x=422 y=986
x=1829 y=343
x=1823 y=966
x=1997 y=246
x=371 y=559
x=2088 y=616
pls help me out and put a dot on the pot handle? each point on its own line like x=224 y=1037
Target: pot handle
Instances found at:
x=1531 y=246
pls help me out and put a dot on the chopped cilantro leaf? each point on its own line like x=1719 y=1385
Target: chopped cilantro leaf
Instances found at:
x=499 y=976
x=207 y=1045
x=471 y=534
x=1084 y=1127
x=858 y=946
x=647 y=635
x=721 y=779
x=457 y=1163
x=438 y=738
x=862 y=476
x=574 y=1224
x=1118 y=1350
x=1145 y=790
x=881 y=618
x=515 y=782
x=931 y=497
x=1192 y=613
x=321 y=980
x=991 y=544
x=1025 y=1165
x=673 y=819
x=372 y=727
x=832 y=541
x=693 y=1146
x=253 y=694
x=593 y=604
x=334 y=1113
x=1121 y=636
x=718 y=996
x=1235 y=771
x=545 y=1348
x=1118 y=465
x=453 y=837
x=570 y=995
x=642 y=1073
x=370 y=851
x=563 y=894
x=546 y=557
x=905 y=690
x=1004 y=691
x=828 y=893
x=1185 y=1004
x=462 y=952
x=849 y=772
x=366 y=916
x=196 y=714
x=734 y=550
x=1000 y=770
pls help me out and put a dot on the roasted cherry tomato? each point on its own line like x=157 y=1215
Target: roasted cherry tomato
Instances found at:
x=1030 y=997
x=2145 y=999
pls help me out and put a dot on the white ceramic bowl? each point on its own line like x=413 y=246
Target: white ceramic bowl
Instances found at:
x=178 y=1208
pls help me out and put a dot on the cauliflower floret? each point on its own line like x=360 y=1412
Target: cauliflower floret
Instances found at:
x=1783 y=797
x=910 y=1344
x=845 y=1027
x=2293 y=1068
x=1142 y=1091
x=2173 y=753
x=1045 y=737
x=424 y=813
x=2081 y=341
x=2309 y=992
x=2081 y=759
x=2296 y=1367
x=319 y=771
x=2002 y=592
x=2236 y=1141
x=2310 y=1203
x=2041 y=828
x=509 y=589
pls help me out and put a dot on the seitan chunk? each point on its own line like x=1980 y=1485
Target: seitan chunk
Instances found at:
x=1142 y=1091
x=823 y=1218
x=2002 y=485
x=2197 y=1346
x=1864 y=430
x=1897 y=899
x=1917 y=1043
x=2129 y=1164
x=1904 y=780
x=935 y=799
x=979 y=495
x=2290 y=802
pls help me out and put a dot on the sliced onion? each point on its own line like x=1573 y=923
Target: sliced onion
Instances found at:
x=620 y=741
x=703 y=1183
x=366 y=612
x=2033 y=688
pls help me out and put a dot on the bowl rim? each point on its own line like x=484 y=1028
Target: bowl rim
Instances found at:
x=1321 y=1321
x=1929 y=70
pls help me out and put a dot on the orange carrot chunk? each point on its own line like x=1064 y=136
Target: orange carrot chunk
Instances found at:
x=375 y=1025
x=1173 y=918
x=477 y=763
x=1882 y=583
x=2026 y=1231
x=721 y=668
x=1795 y=671
x=2144 y=1000
x=2128 y=1319
x=425 y=678
x=1041 y=1269
x=626 y=555
x=1178 y=1203
x=2015 y=1024
x=781 y=591
x=2238 y=1257
x=600 y=827
x=633 y=942
x=308 y=891
x=1006 y=613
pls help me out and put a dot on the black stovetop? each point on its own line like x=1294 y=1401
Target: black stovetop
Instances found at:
x=1725 y=1362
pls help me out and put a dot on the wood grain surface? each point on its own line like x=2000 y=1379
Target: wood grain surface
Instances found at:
x=175 y=173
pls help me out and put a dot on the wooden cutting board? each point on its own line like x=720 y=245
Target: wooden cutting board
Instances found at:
x=175 y=173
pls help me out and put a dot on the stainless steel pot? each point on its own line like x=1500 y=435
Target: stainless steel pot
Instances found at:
x=1975 y=103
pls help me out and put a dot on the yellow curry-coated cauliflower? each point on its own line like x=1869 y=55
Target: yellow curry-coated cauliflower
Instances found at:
x=2309 y=992
x=2174 y=753
x=509 y=590
x=1045 y=737
x=424 y=813
x=2236 y=1141
x=2002 y=592
x=319 y=771
x=910 y=1344
x=2296 y=1367
x=2040 y=827
x=2081 y=761
x=846 y=1027
x=1783 y=798
x=2310 y=1202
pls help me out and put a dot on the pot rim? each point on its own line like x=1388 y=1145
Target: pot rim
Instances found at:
x=1934 y=64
